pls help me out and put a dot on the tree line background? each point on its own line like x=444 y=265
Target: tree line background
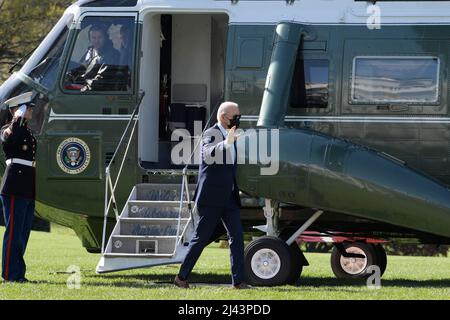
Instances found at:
x=23 y=25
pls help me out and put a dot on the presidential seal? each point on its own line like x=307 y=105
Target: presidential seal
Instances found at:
x=73 y=155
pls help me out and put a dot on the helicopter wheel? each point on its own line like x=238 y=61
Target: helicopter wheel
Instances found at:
x=298 y=260
x=267 y=262
x=353 y=268
x=381 y=258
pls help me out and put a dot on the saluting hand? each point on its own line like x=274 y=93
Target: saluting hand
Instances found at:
x=20 y=112
x=232 y=136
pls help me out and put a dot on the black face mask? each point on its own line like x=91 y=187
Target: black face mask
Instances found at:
x=235 y=121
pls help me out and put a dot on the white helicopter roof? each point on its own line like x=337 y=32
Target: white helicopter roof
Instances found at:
x=302 y=11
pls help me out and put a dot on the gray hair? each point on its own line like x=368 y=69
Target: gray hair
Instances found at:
x=225 y=107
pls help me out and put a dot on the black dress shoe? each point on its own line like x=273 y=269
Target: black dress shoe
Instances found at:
x=21 y=280
x=181 y=283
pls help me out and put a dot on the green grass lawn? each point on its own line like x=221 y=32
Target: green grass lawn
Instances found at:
x=49 y=256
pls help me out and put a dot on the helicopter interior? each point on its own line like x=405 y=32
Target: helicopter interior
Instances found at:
x=190 y=52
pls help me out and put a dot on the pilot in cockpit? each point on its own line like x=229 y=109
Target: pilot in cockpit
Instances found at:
x=99 y=58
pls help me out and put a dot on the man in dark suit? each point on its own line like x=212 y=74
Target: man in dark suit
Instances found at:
x=217 y=195
x=98 y=65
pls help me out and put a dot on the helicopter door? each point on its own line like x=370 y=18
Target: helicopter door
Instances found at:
x=182 y=73
x=150 y=82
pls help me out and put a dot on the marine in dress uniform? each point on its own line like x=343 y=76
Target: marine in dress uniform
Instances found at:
x=17 y=187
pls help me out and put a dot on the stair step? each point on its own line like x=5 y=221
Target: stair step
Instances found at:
x=156 y=209
x=143 y=244
x=136 y=255
x=162 y=192
x=146 y=237
x=157 y=202
x=172 y=172
x=154 y=220
x=150 y=227
x=151 y=223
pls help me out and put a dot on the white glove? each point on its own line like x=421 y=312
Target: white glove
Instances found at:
x=20 y=112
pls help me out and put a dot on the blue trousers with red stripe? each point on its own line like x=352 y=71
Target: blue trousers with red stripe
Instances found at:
x=18 y=214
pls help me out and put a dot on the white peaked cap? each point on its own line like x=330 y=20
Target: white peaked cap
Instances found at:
x=23 y=98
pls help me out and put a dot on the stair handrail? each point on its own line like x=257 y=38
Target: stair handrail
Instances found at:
x=184 y=184
x=109 y=186
x=185 y=180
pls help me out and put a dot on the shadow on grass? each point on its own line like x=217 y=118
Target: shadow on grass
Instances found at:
x=165 y=279
x=157 y=280
x=334 y=282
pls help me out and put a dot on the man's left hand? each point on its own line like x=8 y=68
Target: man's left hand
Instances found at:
x=232 y=136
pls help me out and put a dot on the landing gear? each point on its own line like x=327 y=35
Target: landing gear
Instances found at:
x=275 y=259
x=353 y=263
x=298 y=260
x=267 y=262
x=263 y=260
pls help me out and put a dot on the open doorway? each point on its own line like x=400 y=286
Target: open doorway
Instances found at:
x=182 y=73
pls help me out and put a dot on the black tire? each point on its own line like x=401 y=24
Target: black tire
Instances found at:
x=279 y=251
x=381 y=258
x=296 y=263
x=360 y=271
x=298 y=260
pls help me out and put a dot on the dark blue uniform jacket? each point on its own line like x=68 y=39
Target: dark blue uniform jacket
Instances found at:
x=18 y=180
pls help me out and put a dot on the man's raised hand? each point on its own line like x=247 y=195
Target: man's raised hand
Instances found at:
x=20 y=112
x=232 y=136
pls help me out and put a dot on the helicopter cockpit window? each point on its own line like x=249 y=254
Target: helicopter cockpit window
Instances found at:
x=43 y=64
x=102 y=57
x=46 y=71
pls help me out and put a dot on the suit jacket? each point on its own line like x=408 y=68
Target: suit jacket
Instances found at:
x=19 y=180
x=217 y=171
x=100 y=73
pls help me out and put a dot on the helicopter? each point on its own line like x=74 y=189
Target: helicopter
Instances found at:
x=357 y=92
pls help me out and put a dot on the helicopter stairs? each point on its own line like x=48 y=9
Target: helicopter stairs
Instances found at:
x=154 y=228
